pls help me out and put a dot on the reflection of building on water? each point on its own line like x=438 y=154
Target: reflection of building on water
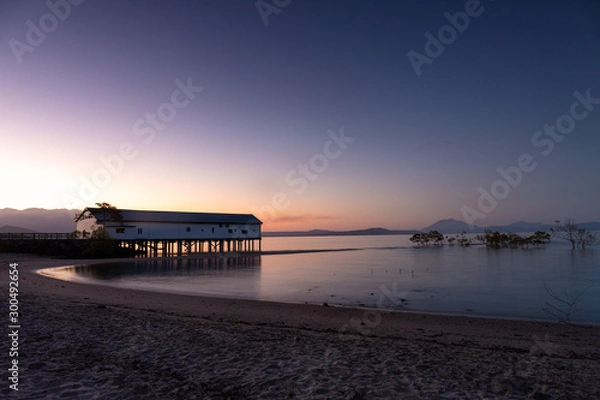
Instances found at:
x=169 y=233
x=189 y=266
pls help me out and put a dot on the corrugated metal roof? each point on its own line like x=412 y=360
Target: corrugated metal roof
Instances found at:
x=176 y=216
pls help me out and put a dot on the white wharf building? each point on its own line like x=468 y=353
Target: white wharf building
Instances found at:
x=175 y=233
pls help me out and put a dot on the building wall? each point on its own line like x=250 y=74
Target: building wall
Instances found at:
x=154 y=230
x=87 y=224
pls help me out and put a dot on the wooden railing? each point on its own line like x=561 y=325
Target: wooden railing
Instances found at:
x=34 y=236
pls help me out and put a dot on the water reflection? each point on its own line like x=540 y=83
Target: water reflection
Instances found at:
x=455 y=280
x=191 y=267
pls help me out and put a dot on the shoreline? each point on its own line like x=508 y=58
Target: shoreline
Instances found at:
x=201 y=256
x=363 y=308
x=422 y=355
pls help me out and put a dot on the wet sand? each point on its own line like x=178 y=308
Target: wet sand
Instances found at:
x=95 y=342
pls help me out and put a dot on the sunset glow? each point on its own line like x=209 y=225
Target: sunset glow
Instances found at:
x=317 y=120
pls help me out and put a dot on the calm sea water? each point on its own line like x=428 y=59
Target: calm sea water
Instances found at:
x=382 y=271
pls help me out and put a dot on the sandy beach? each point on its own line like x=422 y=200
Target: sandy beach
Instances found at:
x=92 y=342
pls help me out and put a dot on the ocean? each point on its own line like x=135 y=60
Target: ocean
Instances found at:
x=385 y=272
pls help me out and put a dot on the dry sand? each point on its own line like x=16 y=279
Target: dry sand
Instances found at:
x=91 y=342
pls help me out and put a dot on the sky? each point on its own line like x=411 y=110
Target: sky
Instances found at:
x=309 y=114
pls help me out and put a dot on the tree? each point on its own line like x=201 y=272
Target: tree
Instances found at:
x=100 y=234
x=513 y=240
x=494 y=240
x=418 y=238
x=108 y=212
x=100 y=244
x=463 y=240
x=436 y=237
x=565 y=306
x=83 y=215
x=423 y=239
x=569 y=231
x=585 y=238
x=497 y=240
x=566 y=231
x=540 y=238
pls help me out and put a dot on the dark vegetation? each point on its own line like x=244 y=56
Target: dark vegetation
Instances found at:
x=578 y=237
x=423 y=239
x=461 y=240
x=66 y=248
x=563 y=308
x=569 y=231
x=496 y=240
x=97 y=244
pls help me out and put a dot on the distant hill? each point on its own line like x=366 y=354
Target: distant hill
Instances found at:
x=15 y=229
x=590 y=226
x=445 y=226
x=39 y=219
x=452 y=226
x=359 y=232
x=448 y=226
x=522 y=226
x=61 y=221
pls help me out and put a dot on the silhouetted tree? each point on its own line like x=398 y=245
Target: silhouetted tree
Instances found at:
x=100 y=244
x=423 y=239
x=497 y=240
x=540 y=238
x=436 y=237
x=463 y=240
x=108 y=212
x=564 y=306
x=569 y=231
x=418 y=238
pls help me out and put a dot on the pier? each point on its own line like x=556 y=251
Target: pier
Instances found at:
x=23 y=242
x=180 y=247
x=144 y=233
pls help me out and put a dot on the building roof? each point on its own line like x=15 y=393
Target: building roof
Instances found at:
x=174 y=216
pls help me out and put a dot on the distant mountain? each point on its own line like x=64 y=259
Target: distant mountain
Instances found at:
x=39 y=219
x=324 y=232
x=453 y=226
x=448 y=226
x=590 y=226
x=522 y=226
x=61 y=221
x=15 y=229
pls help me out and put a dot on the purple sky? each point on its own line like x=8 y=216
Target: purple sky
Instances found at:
x=318 y=119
